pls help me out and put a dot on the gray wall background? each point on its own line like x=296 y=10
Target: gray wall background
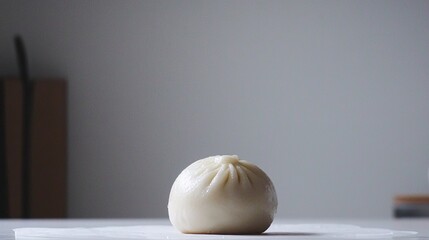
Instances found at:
x=330 y=98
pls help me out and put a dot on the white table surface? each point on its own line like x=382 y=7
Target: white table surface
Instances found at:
x=419 y=225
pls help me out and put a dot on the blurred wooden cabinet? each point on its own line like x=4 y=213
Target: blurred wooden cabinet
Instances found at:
x=47 y=175
x=411 y=206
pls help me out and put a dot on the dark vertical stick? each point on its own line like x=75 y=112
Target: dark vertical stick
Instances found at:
x=4 y=188
x=26 y=131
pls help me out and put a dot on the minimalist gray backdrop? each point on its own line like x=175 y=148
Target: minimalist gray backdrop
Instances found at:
x=330 y=98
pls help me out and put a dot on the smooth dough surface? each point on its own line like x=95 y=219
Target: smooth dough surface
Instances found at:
x=222 y=195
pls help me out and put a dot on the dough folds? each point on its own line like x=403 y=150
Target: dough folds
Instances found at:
x=222 y=195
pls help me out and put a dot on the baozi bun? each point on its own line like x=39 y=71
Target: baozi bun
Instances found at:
x=222 y=195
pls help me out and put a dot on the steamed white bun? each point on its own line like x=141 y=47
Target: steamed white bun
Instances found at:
x=222 y=195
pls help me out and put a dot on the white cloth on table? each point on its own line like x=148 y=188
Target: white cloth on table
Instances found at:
x=279 y=231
